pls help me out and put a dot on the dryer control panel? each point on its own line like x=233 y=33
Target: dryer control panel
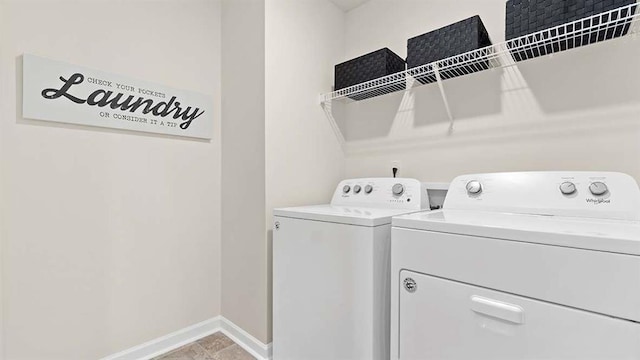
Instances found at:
x=394 y=193
x=605 y=195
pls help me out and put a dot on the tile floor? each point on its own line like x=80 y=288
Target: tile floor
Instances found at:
x=212 y=347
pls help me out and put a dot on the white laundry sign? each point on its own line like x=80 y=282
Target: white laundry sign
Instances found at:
x=61 y=92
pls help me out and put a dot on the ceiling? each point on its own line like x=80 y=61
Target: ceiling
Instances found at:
x=347 y=5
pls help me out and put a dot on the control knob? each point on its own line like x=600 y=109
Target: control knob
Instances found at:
x=368 y=189
x=397 y=189
x=356 y=189
x=474 y=187
x=598 y=188
x=346 y=189
x=567 y=188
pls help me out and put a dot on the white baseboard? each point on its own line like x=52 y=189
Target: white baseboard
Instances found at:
x=253 y=346
x=192 y=333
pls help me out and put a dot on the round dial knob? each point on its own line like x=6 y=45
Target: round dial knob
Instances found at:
x=567 y=188
x=598 y=188
x=474 y=187
x=368 y=189
x=398 y=189
x=356 y=189
x=346 y=189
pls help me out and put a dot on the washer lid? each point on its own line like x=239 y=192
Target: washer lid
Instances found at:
x=350 y=215
x=617 y=236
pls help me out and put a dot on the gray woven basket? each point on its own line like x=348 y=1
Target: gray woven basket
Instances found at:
x=368 y=67
x=458 y=38
x=524 y=17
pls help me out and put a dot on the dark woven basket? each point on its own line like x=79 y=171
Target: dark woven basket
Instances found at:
x=458 y=38
x=529 y=16
x=368 y=67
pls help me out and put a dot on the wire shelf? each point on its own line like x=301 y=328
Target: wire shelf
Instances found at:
x=589 y=30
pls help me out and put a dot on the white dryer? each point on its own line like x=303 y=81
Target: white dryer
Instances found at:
x=538 y=265
x=331 y=269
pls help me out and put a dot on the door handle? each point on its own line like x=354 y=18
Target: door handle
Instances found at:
x=497 y=309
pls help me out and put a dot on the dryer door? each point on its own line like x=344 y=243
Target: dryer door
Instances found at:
x=443 y=319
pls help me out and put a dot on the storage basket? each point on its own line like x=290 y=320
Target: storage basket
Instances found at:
x=458 y=38
x=368 y=67
x=526 y=17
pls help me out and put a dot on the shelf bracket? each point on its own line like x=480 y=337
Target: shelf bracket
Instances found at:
x=328 y=111
x=436 y=71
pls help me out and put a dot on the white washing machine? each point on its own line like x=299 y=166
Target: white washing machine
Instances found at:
x=331 y=263
x=540 y=265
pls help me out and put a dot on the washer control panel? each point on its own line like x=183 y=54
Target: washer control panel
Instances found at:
x=400 y=193
x=606 y=195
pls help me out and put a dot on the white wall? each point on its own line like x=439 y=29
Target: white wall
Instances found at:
x=244 y=246
x=4 y=79
x=110 y=238
x=277 y=55
x=304 y=161
x=578 y=110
